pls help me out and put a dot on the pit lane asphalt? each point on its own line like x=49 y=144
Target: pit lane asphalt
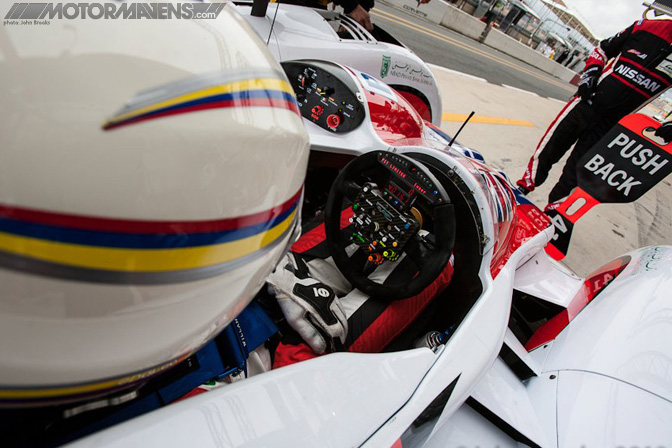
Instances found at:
x=437 y=45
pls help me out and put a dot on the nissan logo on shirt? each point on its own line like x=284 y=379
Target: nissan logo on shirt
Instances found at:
x=639 y=77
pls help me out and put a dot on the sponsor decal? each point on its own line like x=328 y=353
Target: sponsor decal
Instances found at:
x=411 y=73
x=641 y=79
x=385 y=66
x=666 y=66
x=652 y=257
x=638 y=53
x=415 y=11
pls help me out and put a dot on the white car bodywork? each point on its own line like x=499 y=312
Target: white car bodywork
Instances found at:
x=305 y=33
x=371 y=400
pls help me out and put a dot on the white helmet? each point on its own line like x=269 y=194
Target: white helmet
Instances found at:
x=151 y=173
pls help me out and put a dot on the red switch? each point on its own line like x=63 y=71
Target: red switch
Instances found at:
x=333 y=121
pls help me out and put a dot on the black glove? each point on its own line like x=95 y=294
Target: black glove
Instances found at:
x=665 y=131
x=588 y=82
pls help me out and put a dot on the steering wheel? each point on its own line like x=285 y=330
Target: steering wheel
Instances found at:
x=387 y=191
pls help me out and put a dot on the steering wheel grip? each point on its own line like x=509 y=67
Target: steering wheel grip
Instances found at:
x=430 y=262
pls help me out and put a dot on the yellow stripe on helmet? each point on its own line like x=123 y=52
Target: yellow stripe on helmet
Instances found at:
x=236 y=86
x=141 y=260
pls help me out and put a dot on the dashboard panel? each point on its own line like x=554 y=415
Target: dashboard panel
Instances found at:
x=326 y=95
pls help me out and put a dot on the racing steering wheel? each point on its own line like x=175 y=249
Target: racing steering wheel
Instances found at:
x=386 y=221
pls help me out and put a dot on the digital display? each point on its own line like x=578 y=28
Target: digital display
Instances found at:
x=414 y=181
x=394 y=168
x=419 y=188
x=403 y=195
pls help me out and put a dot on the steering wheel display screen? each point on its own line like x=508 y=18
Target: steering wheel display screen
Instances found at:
x=326 y=95
x=408 y=182
x=392 y=197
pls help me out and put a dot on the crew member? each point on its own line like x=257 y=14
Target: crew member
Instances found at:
x=358 y=10
x=640 y=66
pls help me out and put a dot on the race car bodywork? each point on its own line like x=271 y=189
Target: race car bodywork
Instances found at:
x=295 y=32
x=530 y=349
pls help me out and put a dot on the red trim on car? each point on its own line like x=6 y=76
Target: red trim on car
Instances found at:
x=316 y=236
x=590 y=289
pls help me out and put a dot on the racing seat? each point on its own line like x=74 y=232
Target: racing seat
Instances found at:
x=367 y=324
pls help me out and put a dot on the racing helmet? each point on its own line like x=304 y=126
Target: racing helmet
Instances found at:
x=151 y=173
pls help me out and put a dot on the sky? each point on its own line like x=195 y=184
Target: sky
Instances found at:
x=608 y=17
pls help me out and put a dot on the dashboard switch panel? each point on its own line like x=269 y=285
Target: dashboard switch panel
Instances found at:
x=326 y=94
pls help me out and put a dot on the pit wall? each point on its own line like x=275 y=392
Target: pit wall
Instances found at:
x=446 y=15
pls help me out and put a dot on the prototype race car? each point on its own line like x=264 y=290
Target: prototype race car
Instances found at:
x=133 y=309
